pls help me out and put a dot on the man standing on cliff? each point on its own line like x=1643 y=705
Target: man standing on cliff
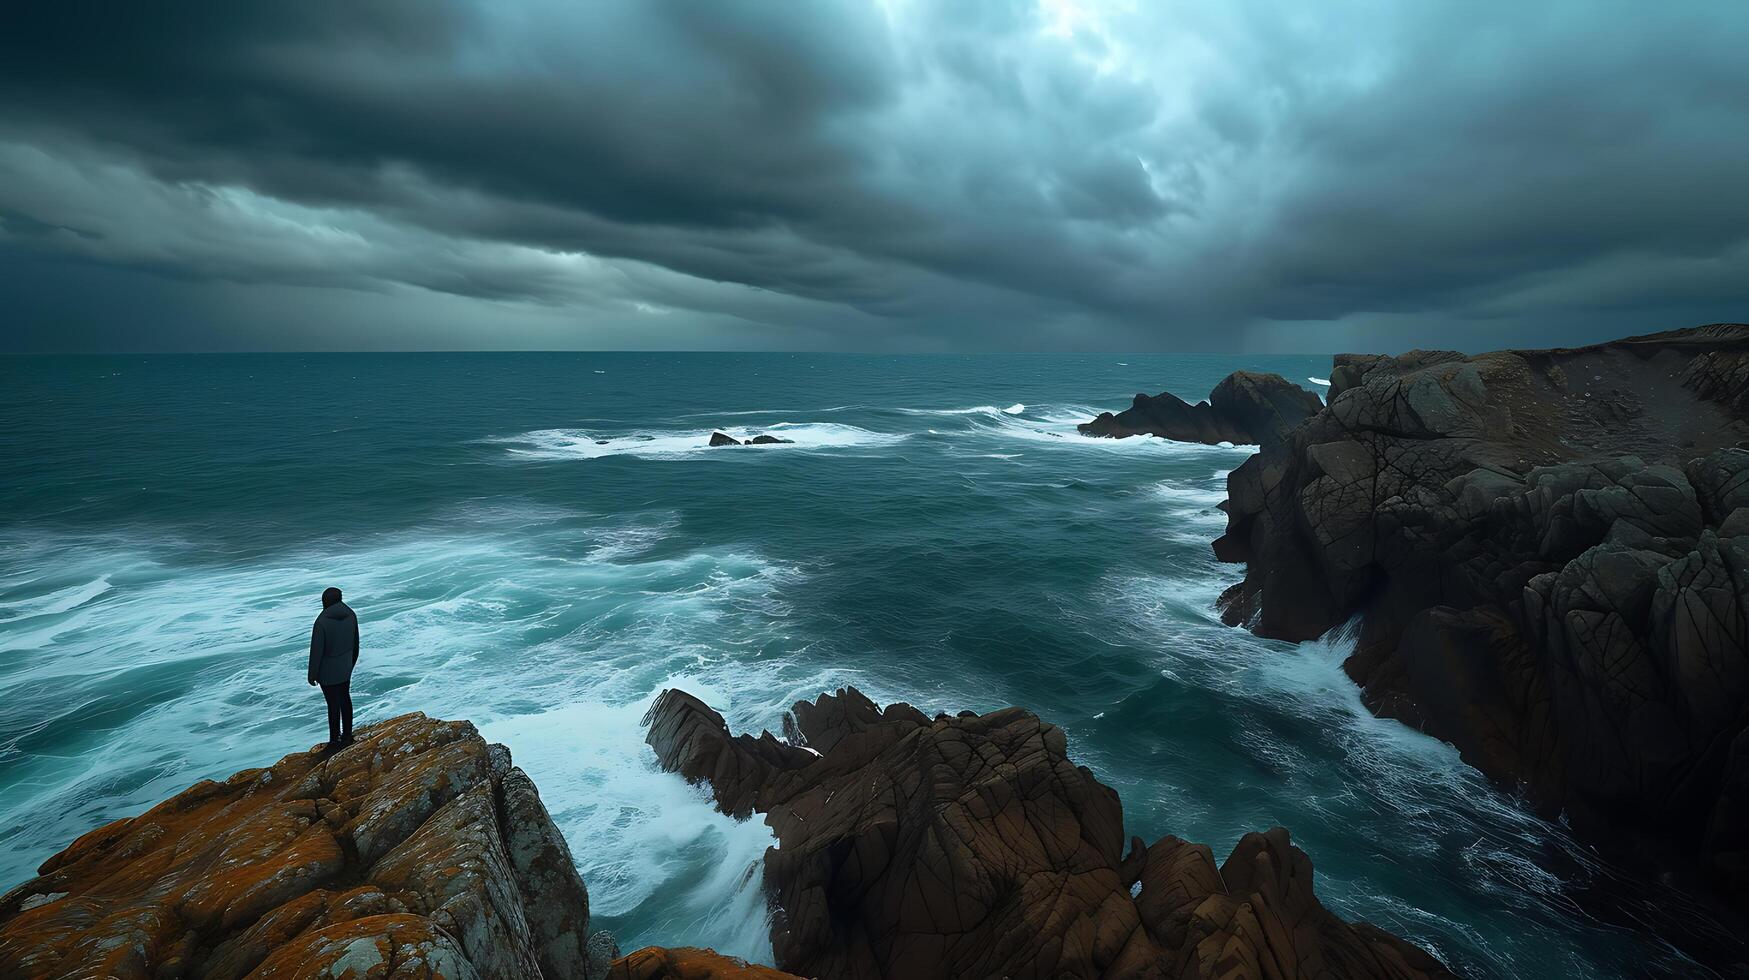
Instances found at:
x=333 y=652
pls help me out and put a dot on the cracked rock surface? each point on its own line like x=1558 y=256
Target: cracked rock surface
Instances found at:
x=1548 y=553
x=418 y=851
x=971 y=846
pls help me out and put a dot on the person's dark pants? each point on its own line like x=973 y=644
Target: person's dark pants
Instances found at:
x=339 y=698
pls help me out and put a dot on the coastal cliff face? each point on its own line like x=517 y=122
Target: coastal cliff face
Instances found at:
x=971 y=846
x=1548 y=553
x=418 y=851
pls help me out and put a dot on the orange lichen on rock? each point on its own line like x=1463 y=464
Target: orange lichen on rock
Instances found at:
x=656 y=963
x=418 y=851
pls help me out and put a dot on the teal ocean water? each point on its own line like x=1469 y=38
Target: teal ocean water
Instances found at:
x=542 y=542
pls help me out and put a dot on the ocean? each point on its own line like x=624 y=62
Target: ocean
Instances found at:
x=542 y=542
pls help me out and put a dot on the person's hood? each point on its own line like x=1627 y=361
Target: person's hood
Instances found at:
x=339 y=610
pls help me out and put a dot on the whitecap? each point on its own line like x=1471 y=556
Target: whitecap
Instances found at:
x=58 y=602
x=564 y=444
x=447 y=615
x=1195 y=497
x=974 y=410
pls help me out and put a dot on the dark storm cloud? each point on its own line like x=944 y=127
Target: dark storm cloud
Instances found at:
x=899 y=174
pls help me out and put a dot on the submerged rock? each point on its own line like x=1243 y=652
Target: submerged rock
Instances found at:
x=971 y=846
x=418 y=851
x=1246 y=407
x=724 y=439
x=1549 y=555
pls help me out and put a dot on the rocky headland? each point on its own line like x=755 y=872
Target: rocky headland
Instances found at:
x=418 y=851
x=1246 y=408
x=908 y=846
x=1546 y=553
x=967 y=845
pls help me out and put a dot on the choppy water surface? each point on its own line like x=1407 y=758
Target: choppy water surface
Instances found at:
x=541 y=543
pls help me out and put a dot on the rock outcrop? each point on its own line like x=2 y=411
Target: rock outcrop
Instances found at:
x=1246 y=408
x=724 y=439
x=418 y=851
x=657 y=963
x=1548 y=553
x=971 y=846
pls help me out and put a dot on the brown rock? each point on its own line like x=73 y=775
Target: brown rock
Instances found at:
x=656 y=963
x=418 y=851
x=971 y=846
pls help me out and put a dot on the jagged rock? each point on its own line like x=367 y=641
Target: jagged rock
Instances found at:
x=418 y=851
x=971 y=846
x=1246 y=407
x=724 y=439
x=656 y=963
x=1549 y=555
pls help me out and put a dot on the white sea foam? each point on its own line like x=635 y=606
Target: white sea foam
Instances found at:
x=55 y=603
x=974 y=410
x=1056 y=425
x=198 y=690
x=1191 y=498
x=563 y=444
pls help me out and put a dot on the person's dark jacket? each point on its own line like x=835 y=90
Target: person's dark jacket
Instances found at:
x=334 y=645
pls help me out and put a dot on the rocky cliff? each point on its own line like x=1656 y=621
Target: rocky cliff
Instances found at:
x=418 y=851
x=971 y=846
x=1548 y=556
x=1246 y=408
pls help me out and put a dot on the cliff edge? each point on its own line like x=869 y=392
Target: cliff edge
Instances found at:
x=417 y=851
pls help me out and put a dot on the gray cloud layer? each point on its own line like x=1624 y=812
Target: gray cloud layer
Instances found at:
x=899 y=174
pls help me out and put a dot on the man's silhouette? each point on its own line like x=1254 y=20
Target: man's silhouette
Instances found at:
x=333 y=652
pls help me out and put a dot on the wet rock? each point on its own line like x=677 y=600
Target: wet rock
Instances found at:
x=1266 y=407
x=972 y=846
x=1245 y=408
x=1546 y=551
x=724 y=439
x=417 y=851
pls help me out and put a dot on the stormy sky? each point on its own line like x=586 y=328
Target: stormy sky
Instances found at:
x=901 y=175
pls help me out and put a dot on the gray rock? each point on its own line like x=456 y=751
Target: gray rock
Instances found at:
x=1548 y=552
